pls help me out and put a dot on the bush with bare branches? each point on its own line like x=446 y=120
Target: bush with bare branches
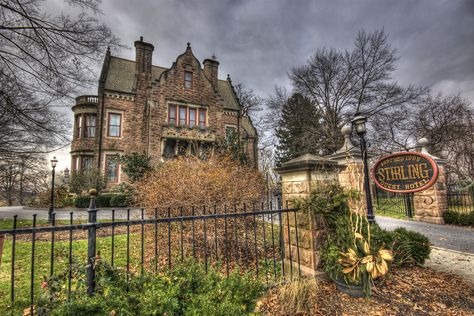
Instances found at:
x=190 y=182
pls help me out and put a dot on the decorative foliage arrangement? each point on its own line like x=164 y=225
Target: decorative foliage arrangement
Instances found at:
x=356 y=251
x=362 y=264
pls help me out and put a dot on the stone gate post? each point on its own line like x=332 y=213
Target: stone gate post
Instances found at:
x=351 y=170
x=298 y=177
x=430 y=204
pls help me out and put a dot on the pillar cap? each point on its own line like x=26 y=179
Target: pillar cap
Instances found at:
x=424 y=143
x=348 y=149
x=305 y=162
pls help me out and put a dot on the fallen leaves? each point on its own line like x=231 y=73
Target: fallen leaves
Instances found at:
x=406 y=291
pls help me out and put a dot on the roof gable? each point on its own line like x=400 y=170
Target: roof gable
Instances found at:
x=120 y=77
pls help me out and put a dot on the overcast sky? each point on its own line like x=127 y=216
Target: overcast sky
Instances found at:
x=257 y=42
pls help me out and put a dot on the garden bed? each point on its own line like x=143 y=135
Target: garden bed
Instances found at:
x=406 y=291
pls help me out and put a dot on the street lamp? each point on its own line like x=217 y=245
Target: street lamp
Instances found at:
x=359 y=122
x=51 y=207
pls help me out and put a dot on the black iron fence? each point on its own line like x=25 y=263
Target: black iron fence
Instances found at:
x=461 y=202
x=393 y=204
x=227 y=238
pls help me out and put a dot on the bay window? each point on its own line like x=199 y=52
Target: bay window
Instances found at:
x=87 y=163
x=78 y=126
x=90 y=120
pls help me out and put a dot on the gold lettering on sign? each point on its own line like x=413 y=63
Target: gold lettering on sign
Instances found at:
x=408 y=172
x=424 y=170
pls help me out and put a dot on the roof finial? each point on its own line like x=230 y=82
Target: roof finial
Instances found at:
x=141 y=38
x=228 y=78
x=189 y=45
x=214 y=56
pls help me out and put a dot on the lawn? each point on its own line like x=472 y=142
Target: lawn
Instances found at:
x=42 y=264
x=390 y=207
x=79 y=246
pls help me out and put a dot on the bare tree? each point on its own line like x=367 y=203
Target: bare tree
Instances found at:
x=44 y=60
x=341 y=83
x=250 y=102
x=448 y=122
x=23 y=176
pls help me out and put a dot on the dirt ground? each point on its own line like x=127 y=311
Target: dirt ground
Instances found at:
x=408 y=291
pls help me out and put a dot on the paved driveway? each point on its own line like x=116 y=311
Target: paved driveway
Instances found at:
x=443 y=236
x=7 y=212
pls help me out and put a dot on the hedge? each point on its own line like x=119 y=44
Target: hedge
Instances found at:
x=103 y=200
x=456 y=218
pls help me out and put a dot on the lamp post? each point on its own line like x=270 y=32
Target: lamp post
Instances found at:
x=51 y=206
x=359 y=122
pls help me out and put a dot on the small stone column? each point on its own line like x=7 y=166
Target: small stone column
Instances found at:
x=430 y=204
x=298 y=177
x=351 y=174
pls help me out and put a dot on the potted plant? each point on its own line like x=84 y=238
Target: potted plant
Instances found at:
x=361 y=265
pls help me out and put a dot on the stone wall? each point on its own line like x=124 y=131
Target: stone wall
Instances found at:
x=431 y=204
x=298 y=178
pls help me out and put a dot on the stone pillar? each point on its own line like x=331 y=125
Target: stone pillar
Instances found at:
x=430 y=204
x=298 y=177
x=351 y=170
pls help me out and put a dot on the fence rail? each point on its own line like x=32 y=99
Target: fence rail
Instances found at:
x=253 y=238
x=461 y=202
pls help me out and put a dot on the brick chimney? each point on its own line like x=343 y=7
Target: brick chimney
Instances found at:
x=143 y=56
x=211 y=68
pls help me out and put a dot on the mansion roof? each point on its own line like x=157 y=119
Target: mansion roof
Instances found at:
x=120 y=77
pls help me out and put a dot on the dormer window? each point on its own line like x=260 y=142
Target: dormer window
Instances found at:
x=188 y=80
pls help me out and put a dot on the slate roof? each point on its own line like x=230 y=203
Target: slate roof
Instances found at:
x=121 y=78
x=248 y=126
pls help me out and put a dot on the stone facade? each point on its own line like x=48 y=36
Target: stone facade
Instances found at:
x=162 y=112
x=430 y=204
x=298 y=177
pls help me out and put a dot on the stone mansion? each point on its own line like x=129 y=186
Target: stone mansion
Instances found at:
x=163 y=112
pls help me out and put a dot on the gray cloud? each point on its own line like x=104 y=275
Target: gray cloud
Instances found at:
x=258 y=42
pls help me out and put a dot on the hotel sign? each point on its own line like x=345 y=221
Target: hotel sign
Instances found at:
x=405 y=172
